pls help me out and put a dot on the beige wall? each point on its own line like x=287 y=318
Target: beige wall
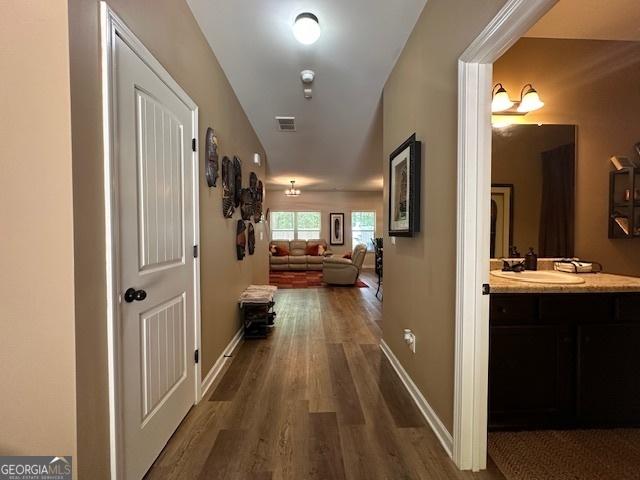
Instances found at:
x=421 y=96
x=169 y=31
x=332 y=202
x=37 y=374
x=516 y=159
x=594 y=85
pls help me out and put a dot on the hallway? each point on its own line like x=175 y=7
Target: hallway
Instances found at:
x=316 y=400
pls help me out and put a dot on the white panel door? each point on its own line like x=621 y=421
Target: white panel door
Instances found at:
x=156 y=230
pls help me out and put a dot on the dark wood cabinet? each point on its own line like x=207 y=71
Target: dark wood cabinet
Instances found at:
x=564 y=361
x=608 y=374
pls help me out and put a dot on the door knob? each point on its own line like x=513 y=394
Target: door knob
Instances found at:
x=132 y=294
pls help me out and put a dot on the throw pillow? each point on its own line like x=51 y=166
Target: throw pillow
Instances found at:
x=321 y=249
x=272 y=249
x=347 y=255
x=281 y=251
x=312 y=250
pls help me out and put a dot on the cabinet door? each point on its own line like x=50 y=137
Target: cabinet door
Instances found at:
x=609 y=374
x=530 y=376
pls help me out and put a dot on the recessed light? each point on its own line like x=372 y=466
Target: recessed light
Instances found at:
x=306 y=28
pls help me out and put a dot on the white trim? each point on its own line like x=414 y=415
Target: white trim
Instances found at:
x=111 y=25
x=427 y=412
x=475 y=69
x=222 y=360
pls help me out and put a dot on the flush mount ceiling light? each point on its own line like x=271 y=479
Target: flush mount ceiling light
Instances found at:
x=293 y=191
x=306 y=28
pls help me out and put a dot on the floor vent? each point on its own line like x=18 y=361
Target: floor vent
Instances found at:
x=286 y=124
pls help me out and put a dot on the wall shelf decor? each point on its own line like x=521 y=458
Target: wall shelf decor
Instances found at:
x=624 y=203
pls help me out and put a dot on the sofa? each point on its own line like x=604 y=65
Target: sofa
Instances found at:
x=344 y=271
x=297 y=259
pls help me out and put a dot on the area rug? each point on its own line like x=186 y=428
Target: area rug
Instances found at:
x=567 y=455
x=306 y=279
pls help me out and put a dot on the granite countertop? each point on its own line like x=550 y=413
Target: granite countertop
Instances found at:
x=593 y=283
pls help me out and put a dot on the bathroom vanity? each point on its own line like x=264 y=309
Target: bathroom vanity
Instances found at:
x=564 y=356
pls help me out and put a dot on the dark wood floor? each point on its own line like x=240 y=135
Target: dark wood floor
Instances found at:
x=317 y=400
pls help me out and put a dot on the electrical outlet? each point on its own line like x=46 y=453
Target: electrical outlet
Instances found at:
x=410 y=339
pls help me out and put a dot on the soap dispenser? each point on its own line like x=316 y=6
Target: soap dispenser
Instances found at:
x=531 y=260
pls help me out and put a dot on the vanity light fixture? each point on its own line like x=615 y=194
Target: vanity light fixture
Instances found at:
x=293 y=191
x=306 y=28
x=530 y=100
x=500 y=101
x=502 y=104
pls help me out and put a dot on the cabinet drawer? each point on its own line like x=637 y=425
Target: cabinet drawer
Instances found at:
x=578 y=308
x=629 y=308
x=506 y=309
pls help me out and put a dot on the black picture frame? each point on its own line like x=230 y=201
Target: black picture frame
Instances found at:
x=336 y=228
x=507 y=190
x=404 y=220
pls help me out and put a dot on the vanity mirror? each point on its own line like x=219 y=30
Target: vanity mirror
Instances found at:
x=533 y=190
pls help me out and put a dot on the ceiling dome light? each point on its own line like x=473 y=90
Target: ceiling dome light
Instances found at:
x=292 y=192
x=306 y=28
x=501 y=100
x=530 y=100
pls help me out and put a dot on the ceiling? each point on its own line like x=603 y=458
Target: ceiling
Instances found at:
x=338 y=142
x=591 y=19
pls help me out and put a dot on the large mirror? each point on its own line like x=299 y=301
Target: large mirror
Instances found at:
x=533 y=190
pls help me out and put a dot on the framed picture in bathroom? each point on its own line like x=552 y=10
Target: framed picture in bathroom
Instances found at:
x=404 y=189
x=501 y=220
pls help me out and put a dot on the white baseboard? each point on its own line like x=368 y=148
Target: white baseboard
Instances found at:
x=221 y=362
x=427 y=412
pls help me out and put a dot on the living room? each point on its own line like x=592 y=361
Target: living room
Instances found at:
x=337 y=220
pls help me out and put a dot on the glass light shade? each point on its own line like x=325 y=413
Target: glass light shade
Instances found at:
x=306 y=28
x=292 y=192
x=501 y=101
x=530 y=102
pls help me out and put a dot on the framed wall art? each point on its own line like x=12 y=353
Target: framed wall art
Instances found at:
x=336 y=228
x=501 y=220
x=404 y=189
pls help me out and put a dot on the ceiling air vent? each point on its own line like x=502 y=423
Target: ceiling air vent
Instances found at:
x=286 y=124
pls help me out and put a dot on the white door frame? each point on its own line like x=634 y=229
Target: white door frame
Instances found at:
x=475 y=80
x=112 y=26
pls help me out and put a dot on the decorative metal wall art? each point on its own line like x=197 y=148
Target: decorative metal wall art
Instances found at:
x=251 y=241
x=241 y=239
x=211 y=151
x=228 y=186
x=237 y=174
x=246 y=204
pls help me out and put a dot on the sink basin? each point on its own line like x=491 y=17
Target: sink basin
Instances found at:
x=550 y=277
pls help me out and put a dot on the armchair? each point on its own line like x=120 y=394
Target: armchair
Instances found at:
x=344 y=271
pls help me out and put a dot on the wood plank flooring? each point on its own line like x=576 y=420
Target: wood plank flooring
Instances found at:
x=317 y=400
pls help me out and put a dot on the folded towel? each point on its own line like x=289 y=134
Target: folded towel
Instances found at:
x=258 y=294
